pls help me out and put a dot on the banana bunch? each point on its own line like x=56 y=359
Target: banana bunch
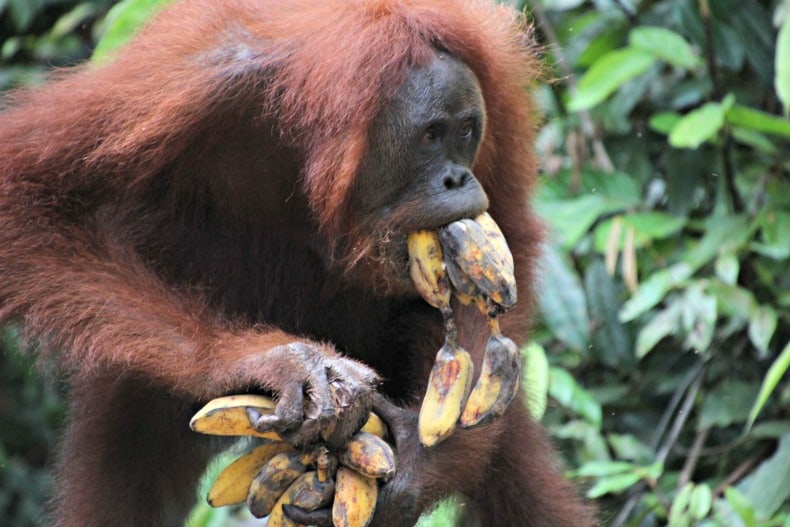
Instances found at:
x=471 y=260
x=275 y=473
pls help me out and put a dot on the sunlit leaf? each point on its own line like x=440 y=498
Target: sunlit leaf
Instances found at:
x=741 y=505
x=665 y=45
x=122 y=23
x=782 y=65
x=771 y=380
x=613 y=484
x=535 y=379
x=700 y=502
x=759 y=121
x=664 y=122
x=653 y=290
x=597 y=469
x=697 y=126
x=607 y=74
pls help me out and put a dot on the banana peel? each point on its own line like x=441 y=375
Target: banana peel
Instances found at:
x=227 y=416
x=355 y=499
x=233 y=483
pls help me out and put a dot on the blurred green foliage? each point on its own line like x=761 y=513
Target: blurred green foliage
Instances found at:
x=659 y=362
x=665 y=304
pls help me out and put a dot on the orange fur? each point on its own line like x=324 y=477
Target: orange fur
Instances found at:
x=161 y=217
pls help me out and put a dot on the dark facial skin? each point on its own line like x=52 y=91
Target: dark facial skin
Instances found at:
x=417 y=174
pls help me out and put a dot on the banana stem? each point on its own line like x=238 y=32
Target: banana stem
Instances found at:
x=450 y=329
x=493 y=324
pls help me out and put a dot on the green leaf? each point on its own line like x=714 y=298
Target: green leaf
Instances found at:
x=679 y=505
x=565 y=390
x=535 y=379
x=570 y=219
x=722 y=234
x=445 y=514
x=607 y=74
x=663 y=324
x=759 y=121
x=611 y=340
x=768 y=486
x=771 y=380
x=762 y=325
x=562 y=301
x=698 y=315
x=653 y=290
x=122 y=23
x=741 y=505
x=599 y=469
x=782 y=65
x=665 y=45
x=613 y=485
x=647 y=226
x=732 y=300
x=728 y=403
x=664 y=122
x=73 y=19
x=774 y=226
x=701 y=501
x=727 y=268
x=697 y=126
x=627 y=446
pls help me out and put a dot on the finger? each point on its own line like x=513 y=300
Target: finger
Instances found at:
x=287 y=414
x=402 y=422
x=318 y=518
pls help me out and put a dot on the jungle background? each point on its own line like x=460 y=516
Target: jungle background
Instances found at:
x=659 y=356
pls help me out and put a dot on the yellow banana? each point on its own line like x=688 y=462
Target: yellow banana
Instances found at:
x=448 y=389
x=312 y=490
x=227 y=416
x=466 y=245
x=426 y=266
x=274 y=478
x=233 y=483
x=499 y=380
x=355 y=499
x=374 y=425
x=370 y=455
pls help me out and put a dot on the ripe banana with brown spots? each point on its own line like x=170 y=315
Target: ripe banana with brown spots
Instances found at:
x=498 y=383
x=310 y=491
x=448 y=388
x=488 y=264
x=275 y=474
x=479 y=266
x=233 y=483
x=427 y=269
x=370 y=455
x=355 y=499
x=274 y=479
